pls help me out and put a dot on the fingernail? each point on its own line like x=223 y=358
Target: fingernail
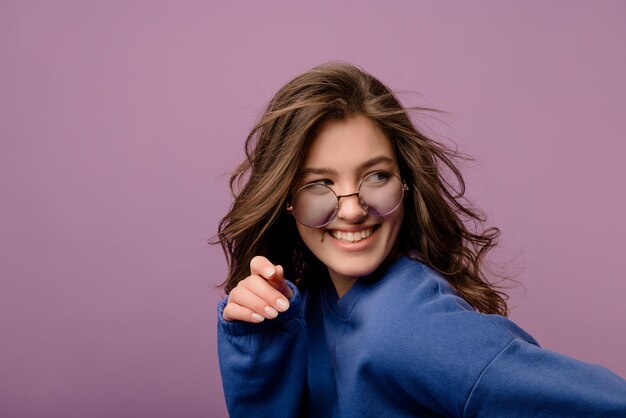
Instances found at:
x=257 y=317
x=271 y=312
x=283 y=304
x=269 y=271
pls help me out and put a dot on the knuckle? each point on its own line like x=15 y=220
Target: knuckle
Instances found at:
x=234 y=293
x=259 y=307
x=228 y=314
x=258 y=282
x=263 y=288
x=243 y=284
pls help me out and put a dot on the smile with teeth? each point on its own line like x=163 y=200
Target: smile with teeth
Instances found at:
x=352 y=236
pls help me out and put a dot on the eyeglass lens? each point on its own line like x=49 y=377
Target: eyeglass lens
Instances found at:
x=316 y=205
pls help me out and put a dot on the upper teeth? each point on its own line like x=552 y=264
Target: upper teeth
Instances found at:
x=351 y=236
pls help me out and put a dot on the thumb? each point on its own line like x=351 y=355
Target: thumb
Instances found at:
x=277 y=280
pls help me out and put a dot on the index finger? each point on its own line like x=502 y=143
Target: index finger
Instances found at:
x=274 y=274
x=263 y=267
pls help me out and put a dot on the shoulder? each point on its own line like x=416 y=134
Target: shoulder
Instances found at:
x=411 y=280
x=416 y=289
x=414 y=308
x=422 y=335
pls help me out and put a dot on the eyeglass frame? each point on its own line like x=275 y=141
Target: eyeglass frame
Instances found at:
x=404 y=189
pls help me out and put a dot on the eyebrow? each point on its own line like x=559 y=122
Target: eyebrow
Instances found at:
x=363 y=166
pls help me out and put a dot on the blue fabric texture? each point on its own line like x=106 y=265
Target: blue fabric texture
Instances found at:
x=402 y=345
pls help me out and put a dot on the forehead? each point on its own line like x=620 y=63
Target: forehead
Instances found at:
x=346 y=143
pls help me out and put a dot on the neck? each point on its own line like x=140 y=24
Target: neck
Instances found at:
x=342 y=283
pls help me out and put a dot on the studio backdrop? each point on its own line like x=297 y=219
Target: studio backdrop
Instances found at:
x=121 y=121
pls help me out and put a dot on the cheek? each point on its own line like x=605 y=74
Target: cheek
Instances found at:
x=396 y=218
x=395 y=223
x=301 y=231
x=310 y=236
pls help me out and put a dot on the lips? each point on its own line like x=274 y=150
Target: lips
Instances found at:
x=352 y=236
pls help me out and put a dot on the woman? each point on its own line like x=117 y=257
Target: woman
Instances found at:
x=356 y=287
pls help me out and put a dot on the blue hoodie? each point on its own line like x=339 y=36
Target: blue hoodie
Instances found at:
x=403 y=344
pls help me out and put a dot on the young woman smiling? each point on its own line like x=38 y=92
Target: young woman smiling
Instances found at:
x=355 y=285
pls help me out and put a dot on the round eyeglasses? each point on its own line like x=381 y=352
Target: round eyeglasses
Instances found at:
x=315 y=205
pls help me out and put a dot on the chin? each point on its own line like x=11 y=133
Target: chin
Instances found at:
x=352 y=259
x=356 y=268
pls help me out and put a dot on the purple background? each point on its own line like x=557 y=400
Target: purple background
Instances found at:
x=120 y=121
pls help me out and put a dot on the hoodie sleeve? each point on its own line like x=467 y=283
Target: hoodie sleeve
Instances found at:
x=263 y=366
x=524 y=380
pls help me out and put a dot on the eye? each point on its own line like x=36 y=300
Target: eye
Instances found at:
x=377 y=178
x=317 y=187
x=323 y=182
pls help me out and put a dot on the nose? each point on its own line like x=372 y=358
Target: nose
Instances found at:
x=350 y=209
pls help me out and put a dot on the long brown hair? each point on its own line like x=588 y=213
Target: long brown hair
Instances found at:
x=439 y=227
